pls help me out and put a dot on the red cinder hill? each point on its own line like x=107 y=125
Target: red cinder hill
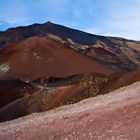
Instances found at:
x=22 y=97
x=41 y=56
x=118 y=53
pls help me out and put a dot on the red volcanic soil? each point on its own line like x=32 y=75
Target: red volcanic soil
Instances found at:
x=111 y=116
x=40 y=56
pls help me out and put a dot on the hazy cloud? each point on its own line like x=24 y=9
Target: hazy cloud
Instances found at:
x=122 y=19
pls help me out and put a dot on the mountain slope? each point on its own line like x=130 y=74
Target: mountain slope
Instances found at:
x=41 y=56
x=118 y=53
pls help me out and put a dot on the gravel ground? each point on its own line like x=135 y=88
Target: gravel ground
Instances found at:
x=114 y=116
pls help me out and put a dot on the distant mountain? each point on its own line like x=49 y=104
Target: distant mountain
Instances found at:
x=117 y=53
x=17 y=34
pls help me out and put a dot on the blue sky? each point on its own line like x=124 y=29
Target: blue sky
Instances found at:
x=104 y=17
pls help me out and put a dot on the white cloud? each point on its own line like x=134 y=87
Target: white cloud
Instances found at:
x=95 y=30
x=122 y=18
x=13 y=21
x=125 y=19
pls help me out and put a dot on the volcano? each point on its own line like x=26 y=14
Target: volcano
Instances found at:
x=117 y=53
x=63 y=76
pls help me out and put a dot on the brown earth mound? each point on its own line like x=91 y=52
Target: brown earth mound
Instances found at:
x=59 y=92
x=40 y=56
x=63 y=91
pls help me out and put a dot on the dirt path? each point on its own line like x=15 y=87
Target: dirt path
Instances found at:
x=114 y=116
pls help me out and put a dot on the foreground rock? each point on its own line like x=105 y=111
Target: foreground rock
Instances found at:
x=111 y=116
